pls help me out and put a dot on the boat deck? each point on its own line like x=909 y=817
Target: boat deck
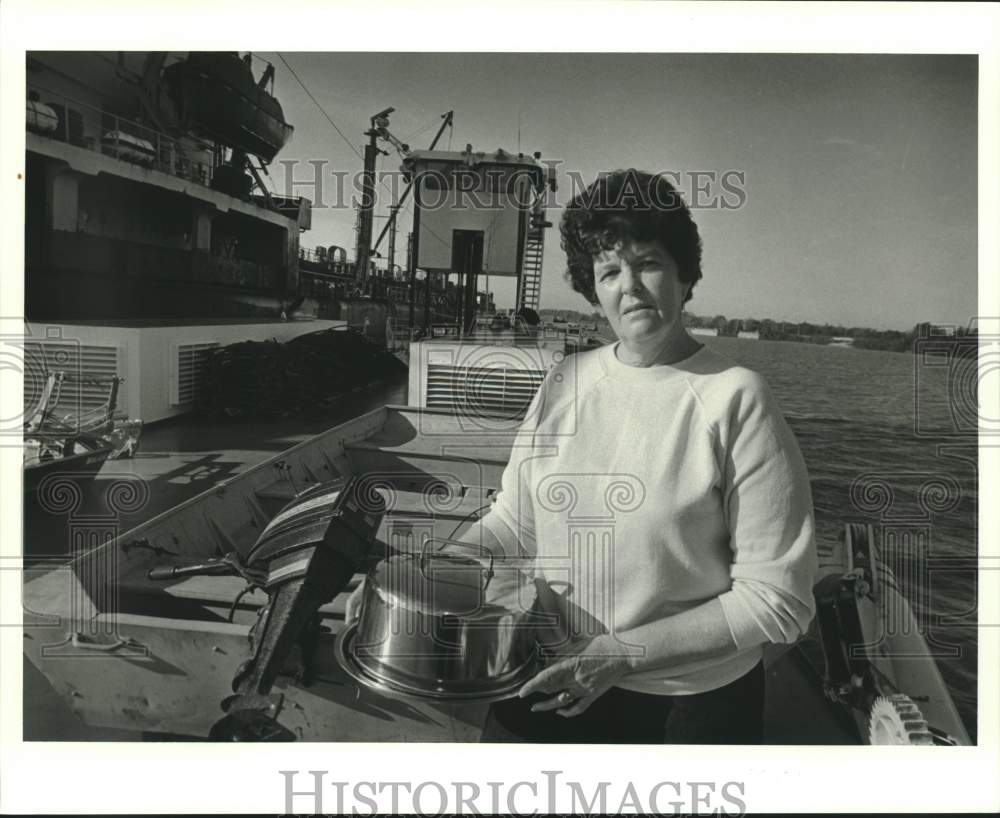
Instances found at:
x=180 y=460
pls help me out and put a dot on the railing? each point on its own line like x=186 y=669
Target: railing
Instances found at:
x=62 y=118
x=337 y=280
x=320 y=258
x=517 y=333
x=317 y=286
x=328 y=264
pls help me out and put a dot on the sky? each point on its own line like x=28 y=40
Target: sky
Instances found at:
x=857 y=173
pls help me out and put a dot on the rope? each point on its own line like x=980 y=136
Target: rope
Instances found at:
x=426 y=127
x=451 y=127
x=333 y=124
x=239 y=597
x=316 y=103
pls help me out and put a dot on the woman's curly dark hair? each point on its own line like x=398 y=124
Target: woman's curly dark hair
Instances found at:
x=627 y=204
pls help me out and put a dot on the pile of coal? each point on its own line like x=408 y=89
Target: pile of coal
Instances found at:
x=268 y=378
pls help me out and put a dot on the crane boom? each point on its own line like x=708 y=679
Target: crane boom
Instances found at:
x=448 y=117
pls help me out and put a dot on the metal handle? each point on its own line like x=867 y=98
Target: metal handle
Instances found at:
x=212 y=568
x=484 y=552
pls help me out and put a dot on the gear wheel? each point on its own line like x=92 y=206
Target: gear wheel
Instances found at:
x=895 y=719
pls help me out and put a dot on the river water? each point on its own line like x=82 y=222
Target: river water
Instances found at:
x=889 y=438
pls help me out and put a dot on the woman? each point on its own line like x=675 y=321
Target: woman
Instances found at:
x=663 y=498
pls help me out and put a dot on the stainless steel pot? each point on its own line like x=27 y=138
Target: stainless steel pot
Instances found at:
x=443 y=625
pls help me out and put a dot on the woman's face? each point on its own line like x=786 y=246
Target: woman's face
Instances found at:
x=638 y=287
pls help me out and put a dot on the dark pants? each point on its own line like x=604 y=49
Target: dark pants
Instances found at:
x=732 y=714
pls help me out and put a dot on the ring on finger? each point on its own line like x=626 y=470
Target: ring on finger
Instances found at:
x=566 y=697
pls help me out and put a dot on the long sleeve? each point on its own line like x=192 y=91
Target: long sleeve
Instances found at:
x=768 y=508
x=510 y=519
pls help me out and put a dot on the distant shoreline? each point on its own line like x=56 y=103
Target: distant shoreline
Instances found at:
x=959 y=339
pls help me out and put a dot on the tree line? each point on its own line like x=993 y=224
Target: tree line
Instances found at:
x=771 y=330
x=807 y=332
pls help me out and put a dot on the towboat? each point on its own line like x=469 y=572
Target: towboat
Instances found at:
x=168 y=630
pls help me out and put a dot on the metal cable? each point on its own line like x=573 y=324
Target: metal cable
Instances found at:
x=426 y=127
x=322 y=110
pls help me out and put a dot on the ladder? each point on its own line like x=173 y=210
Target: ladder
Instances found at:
x=531 y=268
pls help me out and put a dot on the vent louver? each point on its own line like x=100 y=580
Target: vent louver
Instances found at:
x=189 y=365
x=482 y=391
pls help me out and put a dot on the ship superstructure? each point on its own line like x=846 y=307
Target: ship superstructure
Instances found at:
x=147 y=222
x=476 y=214
x=152 y=237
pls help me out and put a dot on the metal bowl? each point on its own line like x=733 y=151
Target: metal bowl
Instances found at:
x=443 y=626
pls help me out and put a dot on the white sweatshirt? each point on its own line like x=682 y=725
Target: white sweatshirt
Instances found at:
x=645 y=491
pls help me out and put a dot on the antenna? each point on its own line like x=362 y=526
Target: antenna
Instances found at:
x=519 y=127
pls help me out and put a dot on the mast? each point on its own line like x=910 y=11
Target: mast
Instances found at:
x=367 y=207
x=392 y=239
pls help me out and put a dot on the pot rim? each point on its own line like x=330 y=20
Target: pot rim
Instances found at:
x=492 y=690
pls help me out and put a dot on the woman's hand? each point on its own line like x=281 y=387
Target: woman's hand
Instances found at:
x=353 y=609
x=578 y=680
